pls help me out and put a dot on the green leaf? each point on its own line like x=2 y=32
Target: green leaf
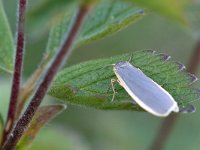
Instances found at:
x=42 y=116
x=6 y=43
x=44 y=12
x=88 y=84
x=173 y=9
x=44 y=7
x=106 y=18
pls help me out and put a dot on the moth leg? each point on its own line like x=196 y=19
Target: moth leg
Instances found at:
x=130 y=58
x=113 y=88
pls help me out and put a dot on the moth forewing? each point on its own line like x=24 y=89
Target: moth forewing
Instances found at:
x=147 y=93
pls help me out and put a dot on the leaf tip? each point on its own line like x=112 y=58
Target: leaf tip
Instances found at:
x=192 y=78
x=164 y=56
x=180 y=66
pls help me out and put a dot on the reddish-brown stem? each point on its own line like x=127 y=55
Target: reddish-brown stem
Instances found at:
x=168 y=124
x=63 y=53
x=164 y=132
x=17 y=69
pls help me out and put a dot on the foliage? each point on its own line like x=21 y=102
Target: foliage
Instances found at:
x=88 y=83
x=6 y=43
x=106 y=18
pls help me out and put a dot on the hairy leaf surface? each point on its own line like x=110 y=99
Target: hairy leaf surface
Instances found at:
x=88 y=84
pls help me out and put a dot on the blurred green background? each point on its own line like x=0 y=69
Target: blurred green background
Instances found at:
x=88 y=129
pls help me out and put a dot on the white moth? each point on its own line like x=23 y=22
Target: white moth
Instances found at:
x=147 y=93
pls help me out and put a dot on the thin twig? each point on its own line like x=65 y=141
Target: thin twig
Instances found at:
x=63 y=53
x=168 y=124
x=164 y=132
x=17 y=70
x=27 y=89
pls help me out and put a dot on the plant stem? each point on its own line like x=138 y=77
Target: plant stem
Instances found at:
x=63 y=53
x=168 y=124
x=164 y=132
x=17 y=69
x=27 y=89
